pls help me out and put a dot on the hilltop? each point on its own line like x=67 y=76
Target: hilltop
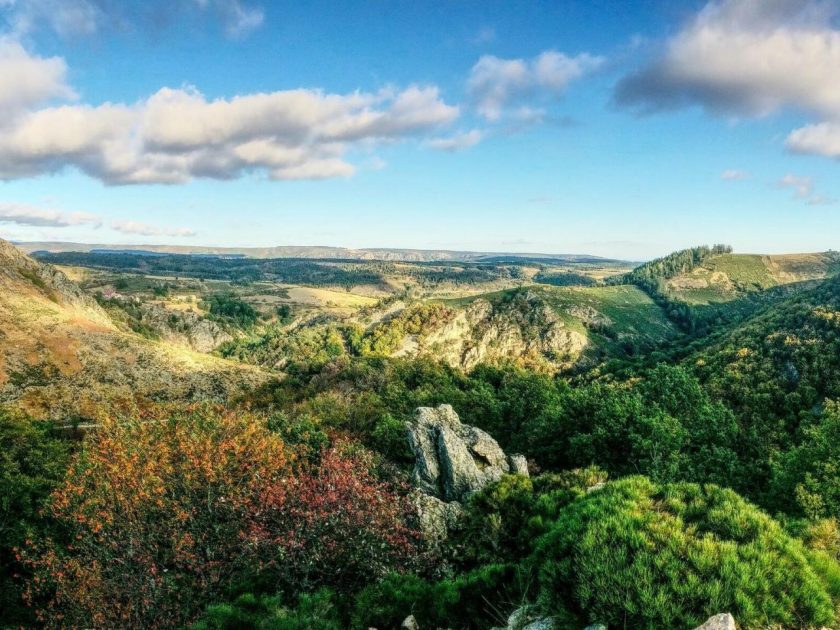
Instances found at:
x=62 y=356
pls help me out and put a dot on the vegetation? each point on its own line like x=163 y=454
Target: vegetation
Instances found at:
x=656 y=463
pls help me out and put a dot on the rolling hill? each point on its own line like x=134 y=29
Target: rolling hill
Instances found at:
x=728 y=277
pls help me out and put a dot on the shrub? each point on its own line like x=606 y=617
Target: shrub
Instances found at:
x=333 y=525
x=155 y=511
x=479 y=599
x=32 y=463
x=314 y=611
x=639 y=555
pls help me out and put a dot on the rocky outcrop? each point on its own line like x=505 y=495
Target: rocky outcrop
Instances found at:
x=452 y=460
x=525 y=328
x=724 y=621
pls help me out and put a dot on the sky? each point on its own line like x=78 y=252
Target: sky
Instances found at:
x=620 y=128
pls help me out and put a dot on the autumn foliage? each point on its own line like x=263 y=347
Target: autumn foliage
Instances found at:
x=161 y=517
x=334 y=524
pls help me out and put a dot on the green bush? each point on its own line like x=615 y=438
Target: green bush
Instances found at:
x=247 y=612
x=635 y=554
x=478 y=599
x=32 y=463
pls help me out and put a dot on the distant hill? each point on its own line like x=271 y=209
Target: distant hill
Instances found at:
x=322 y=252
x=62 y=357
x=727 y=277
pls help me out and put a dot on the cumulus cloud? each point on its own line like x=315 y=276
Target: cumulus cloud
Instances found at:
x=143 y=229
x=733 y=175
x=457 y=142
x=746 y=58
x=28 y=80
x=23 y=214
x=818 y=139
x=495 y=84
x=176 y=135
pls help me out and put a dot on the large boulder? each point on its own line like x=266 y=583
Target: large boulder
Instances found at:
x=454 y=460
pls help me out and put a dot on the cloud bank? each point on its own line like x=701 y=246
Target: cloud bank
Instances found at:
x=176 y=135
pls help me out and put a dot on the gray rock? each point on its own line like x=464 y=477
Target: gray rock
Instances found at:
x=523 y=618
x=454 y=460
x=410 y=623
x=518 y=464
x=459 y=473
x=436 y=518
x=724 y=621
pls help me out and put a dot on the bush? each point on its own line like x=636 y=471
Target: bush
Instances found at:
x=32 y=463
x=638 y=555
x=156 y=512
x=333 y=525
x=315 y=611
x=478 y=599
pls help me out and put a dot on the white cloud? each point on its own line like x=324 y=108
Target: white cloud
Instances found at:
x=803 y=189
x=732 y=175
x=143 y=229
x=802 y=186
x=494 y=84
x=457 y=142
x=23 y=214
x=176 y=135
x=27 y=80
x=818 y=139
x=746 y=57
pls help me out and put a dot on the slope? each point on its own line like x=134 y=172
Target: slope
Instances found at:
x=62 y=357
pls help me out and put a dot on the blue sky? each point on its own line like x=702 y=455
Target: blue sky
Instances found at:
x=617 y=128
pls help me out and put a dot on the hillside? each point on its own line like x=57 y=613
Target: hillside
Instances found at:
x=728 y=277
x=61 y=356
x=542 y=327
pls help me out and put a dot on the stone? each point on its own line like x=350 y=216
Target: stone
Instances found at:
x=518 y=464
x=453 y=460
x=410 y=623
x=596 y=626
x=723 y=621
x=436 y=518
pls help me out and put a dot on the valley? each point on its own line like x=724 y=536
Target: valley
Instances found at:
x=700 y=390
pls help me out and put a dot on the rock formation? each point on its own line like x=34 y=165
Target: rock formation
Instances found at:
x=452 y=461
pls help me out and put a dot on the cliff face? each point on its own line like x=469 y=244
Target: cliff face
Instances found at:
x=524 y=329
x=62 y=357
